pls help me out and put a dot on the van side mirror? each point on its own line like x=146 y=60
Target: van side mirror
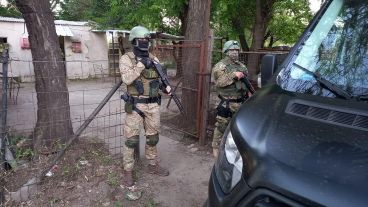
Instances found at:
x=268 y=67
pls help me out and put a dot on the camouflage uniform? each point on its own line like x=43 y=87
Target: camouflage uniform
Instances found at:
x=132 y=70
x=228 y=87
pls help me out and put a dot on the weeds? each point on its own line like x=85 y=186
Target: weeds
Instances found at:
x=118 y=204
x=104 y=159
x=54 y=201
x=19 y=147
x=113 y=179
x=151 y=203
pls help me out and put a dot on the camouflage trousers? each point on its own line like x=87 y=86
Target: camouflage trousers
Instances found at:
x=131 y=129
x=221 y=124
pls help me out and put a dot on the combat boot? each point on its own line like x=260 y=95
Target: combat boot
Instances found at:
x=157 y=170
x=128 y=178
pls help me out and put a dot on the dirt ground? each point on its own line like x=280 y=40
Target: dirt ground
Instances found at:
x=87 y=176
x=90 y=173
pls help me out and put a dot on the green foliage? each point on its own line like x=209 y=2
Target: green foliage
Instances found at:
x=231 y=19
x=118 y=204
x=162 y=15
x=84 y=10
x=102 y=157
x=10 y=10
x=113 y=179
x=151 y=203
x=54 y=201
x=65 y=171
x=290 y=17
x=20 y=152
x=23 y=153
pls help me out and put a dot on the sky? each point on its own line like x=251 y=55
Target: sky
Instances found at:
x=314 y=5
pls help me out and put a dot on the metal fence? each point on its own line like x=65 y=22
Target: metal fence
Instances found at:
x=19 y=114
x=185 y=68
x=182 y=61
x=85 y=95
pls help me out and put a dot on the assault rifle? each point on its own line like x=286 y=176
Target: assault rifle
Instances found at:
x=166 y=83
x=247 y=83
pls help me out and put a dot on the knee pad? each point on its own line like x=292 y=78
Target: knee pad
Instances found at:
x=222 y=127
x=152 y=140
x=132 y=142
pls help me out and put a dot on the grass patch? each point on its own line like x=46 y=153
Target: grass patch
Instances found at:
x=151 y=203
x=113 y=179
x=118 y=204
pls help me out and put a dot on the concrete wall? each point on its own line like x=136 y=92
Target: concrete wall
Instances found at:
x=93 y=61
x=21 y=66
x=90 y=63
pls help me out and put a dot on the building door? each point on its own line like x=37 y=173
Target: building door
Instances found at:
x=62 y=47
x=114 y=55
x=3 y=44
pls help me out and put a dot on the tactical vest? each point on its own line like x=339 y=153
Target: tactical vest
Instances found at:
x=238 y=87
x=149 y=78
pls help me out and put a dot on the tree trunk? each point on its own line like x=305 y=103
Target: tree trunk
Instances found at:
x=179 y=53
x=237 y=24
x=263 y=15
x=194 y=34
x=53 y=114
x=270 y=45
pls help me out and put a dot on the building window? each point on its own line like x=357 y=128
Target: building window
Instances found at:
x=24 y=43
x=3 y=40
x=77 y=47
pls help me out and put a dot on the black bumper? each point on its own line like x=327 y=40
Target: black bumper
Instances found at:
x=217 y=198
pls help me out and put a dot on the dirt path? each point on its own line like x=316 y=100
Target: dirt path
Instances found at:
x=187 y=184
x=98 y=184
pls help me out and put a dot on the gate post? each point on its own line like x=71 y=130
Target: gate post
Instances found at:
x=4 y=109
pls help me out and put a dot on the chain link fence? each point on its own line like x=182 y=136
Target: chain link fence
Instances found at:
x=89 y=83
x=183 y=73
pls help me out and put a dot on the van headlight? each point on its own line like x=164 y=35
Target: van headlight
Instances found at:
x=229 y=165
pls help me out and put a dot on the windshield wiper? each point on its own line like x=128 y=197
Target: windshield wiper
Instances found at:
x=363 y=97
x=326 y=84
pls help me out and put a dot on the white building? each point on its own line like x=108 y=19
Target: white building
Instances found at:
x=85 y=51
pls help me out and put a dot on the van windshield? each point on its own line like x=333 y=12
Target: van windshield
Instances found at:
x=335 y=49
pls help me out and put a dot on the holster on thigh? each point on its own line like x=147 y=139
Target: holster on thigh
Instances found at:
x=132 y=142
x=152 y=140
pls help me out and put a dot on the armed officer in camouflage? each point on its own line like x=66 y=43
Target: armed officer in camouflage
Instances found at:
x=232 y=92
x=142 y=103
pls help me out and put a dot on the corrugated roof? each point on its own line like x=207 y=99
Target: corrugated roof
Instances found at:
x=154 y=34
x=110 y=30
x=70 y=23
x=63 y=30
x=10 y=19
x=57 y=22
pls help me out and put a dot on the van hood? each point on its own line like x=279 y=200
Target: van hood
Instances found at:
x=309 y=148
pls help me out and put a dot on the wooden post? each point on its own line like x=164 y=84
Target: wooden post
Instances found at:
x=205 y=76
x=206 y=90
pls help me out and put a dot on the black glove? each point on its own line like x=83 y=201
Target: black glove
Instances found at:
x=147 y=62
